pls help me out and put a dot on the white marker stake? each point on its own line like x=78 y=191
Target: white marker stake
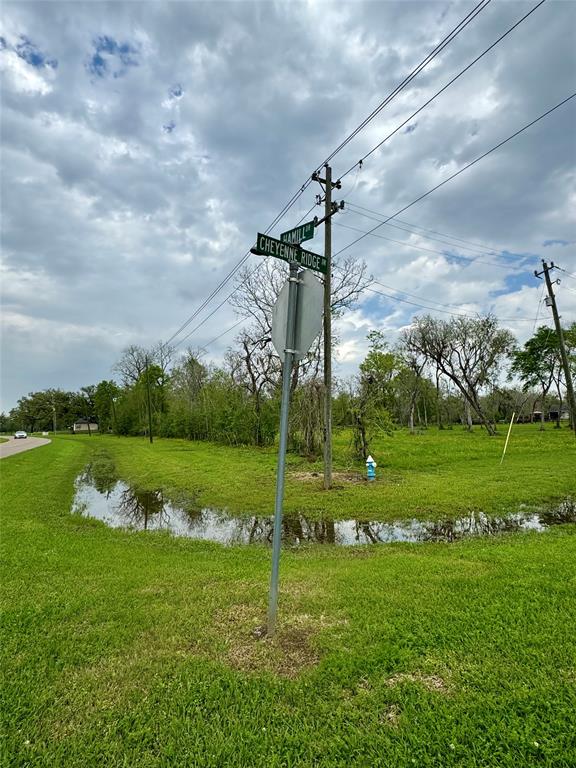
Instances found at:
x=507 y=438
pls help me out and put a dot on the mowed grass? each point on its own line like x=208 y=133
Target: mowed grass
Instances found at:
x=429 y=475
x=135 y=649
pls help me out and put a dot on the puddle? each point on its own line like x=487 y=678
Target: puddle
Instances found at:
x=120 y=505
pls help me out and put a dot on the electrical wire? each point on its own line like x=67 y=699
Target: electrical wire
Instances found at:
x=538 y=309
x=478 y=247
x=444 y=311
x=415 y=304
x=223 y=333
x=408 y=79
x=569 y=274
x=415 y=72
x=415 y=296
x=219 y=287
x=469 y=259
x=465 y=168
x=206 y=301
x=448 y=84
x=427 y=60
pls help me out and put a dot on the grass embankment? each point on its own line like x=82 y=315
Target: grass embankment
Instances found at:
x=134 y=649
x=429 y=475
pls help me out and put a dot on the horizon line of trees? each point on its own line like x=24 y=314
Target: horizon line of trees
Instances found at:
x=442 y=372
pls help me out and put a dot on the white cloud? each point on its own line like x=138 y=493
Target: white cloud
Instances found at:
x=21 y=77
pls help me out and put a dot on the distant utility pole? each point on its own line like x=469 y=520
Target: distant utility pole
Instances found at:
x=330 y=209
x=569 y=386
x=149 y=402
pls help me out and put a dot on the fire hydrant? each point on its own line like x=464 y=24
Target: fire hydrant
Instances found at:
x=371 y=468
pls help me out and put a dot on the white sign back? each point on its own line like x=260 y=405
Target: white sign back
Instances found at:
x=308 y=315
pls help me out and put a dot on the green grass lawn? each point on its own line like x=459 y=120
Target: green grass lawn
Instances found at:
x=430 y=475
x=136 y=649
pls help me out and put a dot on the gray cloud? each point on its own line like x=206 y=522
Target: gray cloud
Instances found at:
x=144 y=144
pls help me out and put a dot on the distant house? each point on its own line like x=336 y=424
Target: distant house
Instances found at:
x=84 y=425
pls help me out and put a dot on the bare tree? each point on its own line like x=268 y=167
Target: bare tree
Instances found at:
x=254 y=367
x=410 y=379
x=132 y=363
x=257 y=291
x=188 y=377
x=468 y=351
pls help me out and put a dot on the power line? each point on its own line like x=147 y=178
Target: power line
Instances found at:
x=223 y=333
x=415 y=72
x=478 y=247
x=414 y=304
x=205 y=320
x=248 y=276
x=415 y=296
x=448 y=84
x=465 y=168
x=569 y=274
x=444 y=311
x=223 y=282
x=296 y=196
x=538 y=309
x=469 y=259
x=206 y=301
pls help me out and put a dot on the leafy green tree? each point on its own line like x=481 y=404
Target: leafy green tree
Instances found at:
x=378 y=371
x=372 y=394
x=45 y=410
x=468 y=351
x=538 y=364
x=106 y=393
x=7 y=423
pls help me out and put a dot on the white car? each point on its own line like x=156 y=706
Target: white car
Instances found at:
x=20 y=434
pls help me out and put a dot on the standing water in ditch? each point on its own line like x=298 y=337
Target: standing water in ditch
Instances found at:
x=99 y=494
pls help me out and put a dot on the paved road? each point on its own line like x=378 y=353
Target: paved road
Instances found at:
x=17 y=446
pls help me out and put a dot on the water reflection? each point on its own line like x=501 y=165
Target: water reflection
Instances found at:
x=565 y=512
x=120 y=505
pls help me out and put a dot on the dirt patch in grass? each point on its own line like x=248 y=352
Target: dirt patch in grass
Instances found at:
x=431 y=682
x=287 y=654
x=391 y=716
x=337 y=477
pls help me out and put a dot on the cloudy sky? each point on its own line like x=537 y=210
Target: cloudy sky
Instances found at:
x=145 y=143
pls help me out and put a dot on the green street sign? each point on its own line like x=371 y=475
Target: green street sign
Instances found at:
x=270 y=246
x=298 y=234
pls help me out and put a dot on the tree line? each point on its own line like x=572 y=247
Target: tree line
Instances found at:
x=441 y=372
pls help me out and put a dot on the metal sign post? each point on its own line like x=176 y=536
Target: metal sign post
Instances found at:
x=289 y=353
x=296 y=321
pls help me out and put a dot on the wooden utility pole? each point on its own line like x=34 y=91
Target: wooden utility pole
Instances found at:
x=567 y=374
x=328 y=332
x=330 y=209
